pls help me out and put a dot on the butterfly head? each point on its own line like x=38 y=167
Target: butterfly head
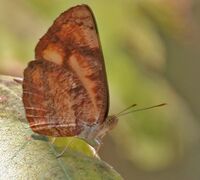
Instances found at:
x=111 y=122
x=108 y=125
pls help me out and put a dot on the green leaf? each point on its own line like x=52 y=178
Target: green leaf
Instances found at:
x=24 y=155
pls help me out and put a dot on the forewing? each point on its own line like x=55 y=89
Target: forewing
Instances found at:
x=73 y=42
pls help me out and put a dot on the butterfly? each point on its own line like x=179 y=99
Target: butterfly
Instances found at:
x=65 y=90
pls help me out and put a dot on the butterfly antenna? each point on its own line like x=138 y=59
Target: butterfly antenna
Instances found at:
x=141 y=109
x=129 y=107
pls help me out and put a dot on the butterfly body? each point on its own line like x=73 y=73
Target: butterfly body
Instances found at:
x=65 y=90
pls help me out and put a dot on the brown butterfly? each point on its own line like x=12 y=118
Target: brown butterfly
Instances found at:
x=65 y=91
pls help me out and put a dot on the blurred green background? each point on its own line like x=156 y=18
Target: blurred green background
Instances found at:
x=152 y=51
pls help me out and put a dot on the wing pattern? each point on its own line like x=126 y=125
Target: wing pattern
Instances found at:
x=65 y=88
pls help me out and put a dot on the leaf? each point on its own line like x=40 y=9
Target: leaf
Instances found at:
x=24 y=155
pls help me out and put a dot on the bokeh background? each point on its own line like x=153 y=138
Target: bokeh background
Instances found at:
x=152 y=52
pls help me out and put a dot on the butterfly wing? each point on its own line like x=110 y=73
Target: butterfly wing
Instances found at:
x=65 y=88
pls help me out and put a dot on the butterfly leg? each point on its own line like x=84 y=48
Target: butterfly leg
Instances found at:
x=53 y=140
x=98 y=145
x=65 y=149
x=18 y=80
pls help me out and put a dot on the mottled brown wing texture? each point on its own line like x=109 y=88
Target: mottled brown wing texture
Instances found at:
x=65 y=88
